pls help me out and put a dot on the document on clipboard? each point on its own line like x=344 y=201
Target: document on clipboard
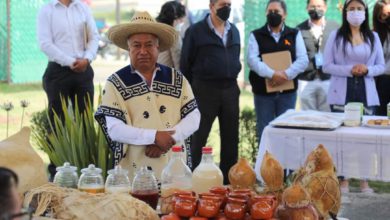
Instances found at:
x=278 y=61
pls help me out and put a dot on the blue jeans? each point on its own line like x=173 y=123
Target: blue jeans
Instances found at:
x=271 y=106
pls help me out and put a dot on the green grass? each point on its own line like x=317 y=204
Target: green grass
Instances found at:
x=378 y=186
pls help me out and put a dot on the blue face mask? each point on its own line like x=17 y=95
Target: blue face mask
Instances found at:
x=356 y=18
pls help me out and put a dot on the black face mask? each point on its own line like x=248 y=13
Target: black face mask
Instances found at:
x=316 y=14
x=274 y=19
x=224 y=13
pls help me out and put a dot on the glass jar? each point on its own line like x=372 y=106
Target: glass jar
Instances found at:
x=91 y=180
x=66 y=176
x=145 y=187
x=117 y=181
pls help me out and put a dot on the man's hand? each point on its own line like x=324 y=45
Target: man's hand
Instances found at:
x=153 y=151
x=80 y=65
x=359 y=70
x=164 y=140
x=278 y=78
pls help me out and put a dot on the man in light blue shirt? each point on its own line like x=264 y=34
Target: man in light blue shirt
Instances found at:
x=274 y=36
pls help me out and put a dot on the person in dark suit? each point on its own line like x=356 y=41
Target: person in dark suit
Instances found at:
x=313 y=83
x=210 y=60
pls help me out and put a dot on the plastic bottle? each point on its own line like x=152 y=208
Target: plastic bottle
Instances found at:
x=207 y=174
x=176 y=176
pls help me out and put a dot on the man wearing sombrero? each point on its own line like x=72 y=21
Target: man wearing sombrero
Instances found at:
x=146 y=107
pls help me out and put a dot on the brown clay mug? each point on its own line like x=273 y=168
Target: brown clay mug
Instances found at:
x=263 y=206
x=209 y=206
x=222 y=191
x=185 y=206
x=235 y=208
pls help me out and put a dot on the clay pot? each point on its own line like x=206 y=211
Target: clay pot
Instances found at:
x=223 y=192
x=242 y=175
x=307 y=213
x=263 y=207
x=209 y=206
x=185 y=206
x=171 y=216
x=235 y=209
x=180 y=193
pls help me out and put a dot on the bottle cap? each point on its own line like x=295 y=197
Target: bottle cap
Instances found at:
x=207 y=150
x=177 y=149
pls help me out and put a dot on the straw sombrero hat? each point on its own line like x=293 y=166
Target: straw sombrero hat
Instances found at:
x=142 y=22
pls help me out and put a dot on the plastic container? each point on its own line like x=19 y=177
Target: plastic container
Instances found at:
x=145 y=187
x=207 y=174
x=118 y=181
x=176 y=176
x=91 y=180
x=66 y=176
x=353 y=114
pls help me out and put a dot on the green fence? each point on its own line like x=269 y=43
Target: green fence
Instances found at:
x=27 y=62
x=296 y=13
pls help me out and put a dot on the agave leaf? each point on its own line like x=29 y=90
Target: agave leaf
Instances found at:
x=76 y=138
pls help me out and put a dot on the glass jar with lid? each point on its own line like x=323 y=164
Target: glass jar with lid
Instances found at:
x=145 y=187
x=91 y=180
x=66 y=176
x=117 y=181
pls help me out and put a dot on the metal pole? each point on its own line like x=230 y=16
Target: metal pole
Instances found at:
x=8 y=71
x=118 y=21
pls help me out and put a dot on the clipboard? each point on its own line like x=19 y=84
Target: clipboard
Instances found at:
x=278 y=61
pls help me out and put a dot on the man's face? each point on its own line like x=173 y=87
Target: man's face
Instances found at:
x=317 y=5
x=276 y=7
x=143 y=51
x=219 y=4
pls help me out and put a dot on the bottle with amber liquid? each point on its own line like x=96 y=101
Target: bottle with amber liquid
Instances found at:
x=91 y=180
x=206 y=175
x=145 y=187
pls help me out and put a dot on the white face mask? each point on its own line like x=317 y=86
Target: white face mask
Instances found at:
x=356 y=18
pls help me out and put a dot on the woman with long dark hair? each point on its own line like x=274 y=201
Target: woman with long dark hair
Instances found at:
x=381 y=22
x=353 y=56
x=172 y=13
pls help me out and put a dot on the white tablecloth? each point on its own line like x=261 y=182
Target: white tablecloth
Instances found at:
x=358 y=152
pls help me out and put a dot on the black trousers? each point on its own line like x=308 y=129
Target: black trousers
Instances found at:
x=62 y=81
x=217 y=99
x=383 y=87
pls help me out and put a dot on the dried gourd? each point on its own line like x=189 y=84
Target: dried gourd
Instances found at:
x=296 y=205
x=272 y=173
x=242 y=175
x=321 y=182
